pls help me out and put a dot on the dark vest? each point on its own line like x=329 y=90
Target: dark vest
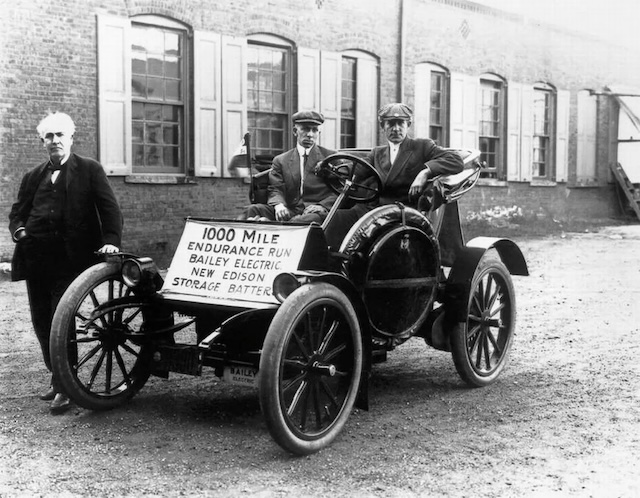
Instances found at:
x=46 y=217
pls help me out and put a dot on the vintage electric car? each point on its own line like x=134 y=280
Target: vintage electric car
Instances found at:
x=273 y=308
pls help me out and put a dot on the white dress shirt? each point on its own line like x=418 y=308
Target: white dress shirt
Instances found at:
x=302 y=152
x=393 y=151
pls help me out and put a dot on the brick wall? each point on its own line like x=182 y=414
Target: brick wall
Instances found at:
x=48 y=62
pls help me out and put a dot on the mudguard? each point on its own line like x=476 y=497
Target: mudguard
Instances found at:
x=458 y=284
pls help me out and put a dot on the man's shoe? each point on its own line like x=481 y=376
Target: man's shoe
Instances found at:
x=60 y=403
x=49 y=395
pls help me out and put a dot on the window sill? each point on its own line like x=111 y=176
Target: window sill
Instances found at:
x=492 y=182
x=542 y=183
x=160 y=179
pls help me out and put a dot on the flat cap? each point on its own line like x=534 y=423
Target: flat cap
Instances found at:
x=395 y=111
x=309 y=117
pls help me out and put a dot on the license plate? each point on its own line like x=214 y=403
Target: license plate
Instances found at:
x=242 y=376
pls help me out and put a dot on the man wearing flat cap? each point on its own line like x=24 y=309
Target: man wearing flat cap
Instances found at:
x=405 y=165
x=295 y=193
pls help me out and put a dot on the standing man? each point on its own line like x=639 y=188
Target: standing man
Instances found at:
x=295 y=193
x=65 y=212
x=405 y=165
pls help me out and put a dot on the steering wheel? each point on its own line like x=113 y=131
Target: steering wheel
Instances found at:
x=352 y=175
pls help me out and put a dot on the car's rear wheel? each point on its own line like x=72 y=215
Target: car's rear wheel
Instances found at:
x=480 y=346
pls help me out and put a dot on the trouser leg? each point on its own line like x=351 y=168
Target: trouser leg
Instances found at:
x=262 y=210
x=44 y=295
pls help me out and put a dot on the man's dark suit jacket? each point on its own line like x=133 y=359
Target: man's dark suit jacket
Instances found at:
x=284 y=181
x=413 y=156
x=92 y=216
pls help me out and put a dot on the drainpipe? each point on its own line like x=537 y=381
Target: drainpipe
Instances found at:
x=401 y=50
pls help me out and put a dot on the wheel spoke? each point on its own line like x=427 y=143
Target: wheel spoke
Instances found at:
x=317 y=405
x=88 y=356
x=485 y=345
x=108 y=371
x=130 y=350
x=302 y=388
x=301 y=346
x=297 y=379
x=130 y=318
x=496 y=348
x=328 y=337
x=96 y=303
x=335 y=352
x=96 y=369
x=123 y=368
x=327 y=389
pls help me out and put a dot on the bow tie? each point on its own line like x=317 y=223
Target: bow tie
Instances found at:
x=54 y=167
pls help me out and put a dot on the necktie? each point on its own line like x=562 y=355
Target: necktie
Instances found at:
x=55 y=171
x=303 y=168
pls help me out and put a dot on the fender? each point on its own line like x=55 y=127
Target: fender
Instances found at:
x=467 y=261
x=342 y=283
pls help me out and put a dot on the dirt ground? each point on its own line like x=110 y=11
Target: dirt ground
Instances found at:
x=562 y=420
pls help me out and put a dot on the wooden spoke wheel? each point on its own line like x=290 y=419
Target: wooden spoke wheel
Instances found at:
x=97 y=348
x=310 y=368
x=480 y=346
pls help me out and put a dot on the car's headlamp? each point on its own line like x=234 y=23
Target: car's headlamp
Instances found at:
x=136 y=271
x=284 y=284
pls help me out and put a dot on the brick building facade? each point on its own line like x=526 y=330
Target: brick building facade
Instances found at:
x=163 y=90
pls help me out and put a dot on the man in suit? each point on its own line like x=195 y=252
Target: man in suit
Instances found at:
x=405 y=166
x=295 y=193
x=65 y=212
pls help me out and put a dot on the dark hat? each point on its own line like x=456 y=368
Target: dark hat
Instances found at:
x=309 y=117
x=395 y=111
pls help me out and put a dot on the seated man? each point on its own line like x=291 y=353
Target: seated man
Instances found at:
x=295 y=193
x=405 y=165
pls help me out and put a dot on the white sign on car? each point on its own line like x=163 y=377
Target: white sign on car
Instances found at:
x=233 y=260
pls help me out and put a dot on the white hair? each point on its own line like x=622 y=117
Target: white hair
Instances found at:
x=56 y=122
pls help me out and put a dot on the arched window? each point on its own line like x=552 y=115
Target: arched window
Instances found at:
x=544 y=105
x=492 y=125
x=269 y=83
x=159 y=91
x=358 y=99
x=432 y=102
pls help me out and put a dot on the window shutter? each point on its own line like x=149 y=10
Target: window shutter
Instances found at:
x=464 y=111
x=207 y=87
x=422 y=111
x=234 y=96
x=562 y=135
x=308 y=79
x=366 y=103
x=330 y=93
x=114 y=94
x=527 y=134
x=586 y=152
x=514 y=131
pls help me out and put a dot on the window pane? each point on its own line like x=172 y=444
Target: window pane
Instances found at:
x=158 y=94
x=268 y=74
x=172 y=90
x=348 y=103
x=138 y=86
x=491 y=120
x=170 y=156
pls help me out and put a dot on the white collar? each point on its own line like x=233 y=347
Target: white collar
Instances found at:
x=302 y=151
x=393 y=146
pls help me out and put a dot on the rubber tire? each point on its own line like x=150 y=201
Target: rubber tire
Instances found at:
x=465 y=357
x=62 y=351
x=300 y=306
